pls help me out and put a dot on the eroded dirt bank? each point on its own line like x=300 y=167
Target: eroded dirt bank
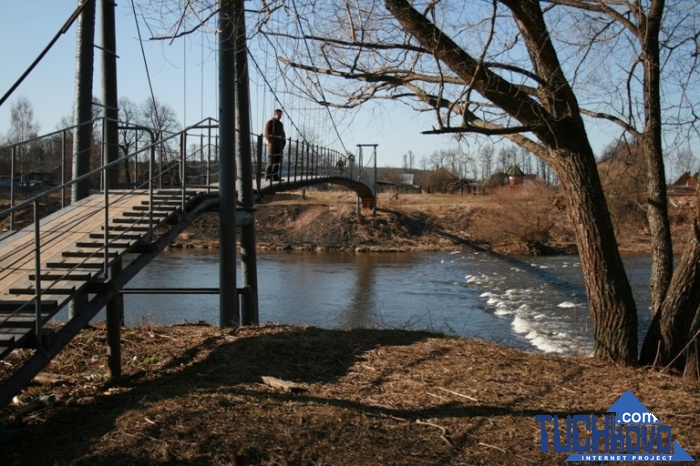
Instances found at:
x=520 y=221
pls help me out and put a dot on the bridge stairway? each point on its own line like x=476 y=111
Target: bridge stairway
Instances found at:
x=72 y=257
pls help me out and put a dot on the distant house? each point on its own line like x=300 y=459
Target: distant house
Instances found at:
x=496 y=179
x=685 y=185
x=513 y=176
x=395 y=180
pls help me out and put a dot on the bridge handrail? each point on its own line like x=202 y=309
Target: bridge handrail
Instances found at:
x=104 y=250
x=302 y=161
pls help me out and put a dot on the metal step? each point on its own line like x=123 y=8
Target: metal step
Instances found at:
x=75 y=264
x=132 y=228
x=22 y=321
x=92 y=253
x=63 y=287
x=157 y=208
x=12 y=306
x=131 y=220
x=145 y=216
x=7 y=344
x=114 y=245
x=117 y=235
x=82 y=275
x=164 y=203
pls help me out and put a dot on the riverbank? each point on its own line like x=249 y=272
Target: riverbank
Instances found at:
x=196 y=395
x=514 y=222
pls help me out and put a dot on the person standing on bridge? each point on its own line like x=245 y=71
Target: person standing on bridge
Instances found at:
x=274 y=134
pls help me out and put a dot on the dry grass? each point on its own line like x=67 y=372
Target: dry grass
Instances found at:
x=193 y=395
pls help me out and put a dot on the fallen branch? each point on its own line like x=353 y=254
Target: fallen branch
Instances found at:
x=444 y=436
x=458 y=394
x=34 y=405
x=282 y=384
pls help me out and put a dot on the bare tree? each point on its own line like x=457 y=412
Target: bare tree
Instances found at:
x=128 y=133
x=403 y=54
x=162 y=120
x=496 y=69
x=486 y=154
x=22 y=128
x=409 y=158
x=645 y=50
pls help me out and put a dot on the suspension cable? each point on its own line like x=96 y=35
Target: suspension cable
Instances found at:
x=61 y=31
x=317 y=82
x=145 y=62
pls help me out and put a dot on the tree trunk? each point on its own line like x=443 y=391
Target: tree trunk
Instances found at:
x=679 y=311
x=692 y=362
x=657 y=202
x=610 y=298
x=555 y=118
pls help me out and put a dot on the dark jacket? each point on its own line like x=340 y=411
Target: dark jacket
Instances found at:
x=274 y=134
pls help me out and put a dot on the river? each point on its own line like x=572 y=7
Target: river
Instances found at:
x=532 y=303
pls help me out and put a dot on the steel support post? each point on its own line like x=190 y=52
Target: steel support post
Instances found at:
x=111 y=175
x=244 y=171
x=228 y=312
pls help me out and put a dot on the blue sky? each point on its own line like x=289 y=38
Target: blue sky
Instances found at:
x=183 y=75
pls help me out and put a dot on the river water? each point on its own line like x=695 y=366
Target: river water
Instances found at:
x=532 y=303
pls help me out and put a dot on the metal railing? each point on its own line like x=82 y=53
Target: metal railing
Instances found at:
x=44 y=193
x=178 y=160
x=302 y=161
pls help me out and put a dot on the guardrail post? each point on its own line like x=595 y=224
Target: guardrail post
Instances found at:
x=258 y=159
x=296 y=156
x=151 y=166
x=37 y=274
x=209 y=159
x=63 y=168
x=183 y=168
x=12 y=187
x=115 y=317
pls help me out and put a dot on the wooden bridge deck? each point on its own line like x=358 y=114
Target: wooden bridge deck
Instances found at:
x=72 y=253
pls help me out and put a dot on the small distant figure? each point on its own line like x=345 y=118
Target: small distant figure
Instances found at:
x=274 y=134
x=340 y=165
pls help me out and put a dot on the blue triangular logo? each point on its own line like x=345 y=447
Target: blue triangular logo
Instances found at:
x=629 y=410
x=679 y=454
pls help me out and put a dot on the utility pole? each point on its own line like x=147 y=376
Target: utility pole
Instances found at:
x=110 y=100
x=82 y=116
x=84 y=63
x=111 y=176
x=244 y=171
x=228 y=294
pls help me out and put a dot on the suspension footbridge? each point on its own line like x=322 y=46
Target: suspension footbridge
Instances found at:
x=74 y=259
